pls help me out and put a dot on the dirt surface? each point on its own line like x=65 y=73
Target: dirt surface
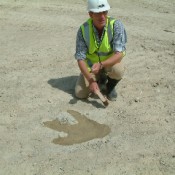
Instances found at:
x=37 y=78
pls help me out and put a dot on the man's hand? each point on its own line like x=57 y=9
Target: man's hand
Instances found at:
x=93 y=86
x=96 y=68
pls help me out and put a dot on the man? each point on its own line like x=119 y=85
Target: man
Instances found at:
x=100 y=47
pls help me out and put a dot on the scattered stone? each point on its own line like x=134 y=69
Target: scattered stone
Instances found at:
x=137 y=100
x=155 y=84
x=66 y=118
x=62 y=134
x=49 y=101
x=166 y=120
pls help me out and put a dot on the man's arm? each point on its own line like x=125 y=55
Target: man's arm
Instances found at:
x=119 y=41
x=93 y=86
x=116 y=58
x=80 y=55
x=84 y=70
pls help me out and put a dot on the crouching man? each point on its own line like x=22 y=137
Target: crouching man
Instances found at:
x=100 y=48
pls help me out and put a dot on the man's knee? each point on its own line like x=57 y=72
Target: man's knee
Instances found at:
x=81 y=90
x=81 y=94
x=117 y=71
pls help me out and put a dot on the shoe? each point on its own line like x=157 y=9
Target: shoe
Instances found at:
x=111 y=92
x=102 y=81
x=112 y=96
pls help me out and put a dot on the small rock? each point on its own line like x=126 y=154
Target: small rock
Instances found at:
x=155 y=84
x=62 y=134
x=66 y=118
x=137 y=100
x=49 y=101
x=166 y=120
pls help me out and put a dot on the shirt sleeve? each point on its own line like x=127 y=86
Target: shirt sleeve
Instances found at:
x=81 y=48
x=120 y=37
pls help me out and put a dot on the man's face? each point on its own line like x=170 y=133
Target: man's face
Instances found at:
x=99 y=19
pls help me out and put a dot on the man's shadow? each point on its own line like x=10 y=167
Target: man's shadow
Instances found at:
x=67 y=84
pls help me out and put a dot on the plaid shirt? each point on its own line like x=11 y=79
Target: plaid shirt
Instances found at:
x=118 y=43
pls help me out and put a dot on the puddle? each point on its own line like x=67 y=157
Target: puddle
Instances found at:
x=82 y=131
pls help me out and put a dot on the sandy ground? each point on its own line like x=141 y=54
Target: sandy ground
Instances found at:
x=37 y=107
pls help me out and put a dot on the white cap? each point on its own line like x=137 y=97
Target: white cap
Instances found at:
x=97 y=6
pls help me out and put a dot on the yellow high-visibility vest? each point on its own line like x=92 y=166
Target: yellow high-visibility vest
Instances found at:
x=104 y=51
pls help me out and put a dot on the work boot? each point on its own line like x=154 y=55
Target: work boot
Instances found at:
x=102 y=81
x=111 y=92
